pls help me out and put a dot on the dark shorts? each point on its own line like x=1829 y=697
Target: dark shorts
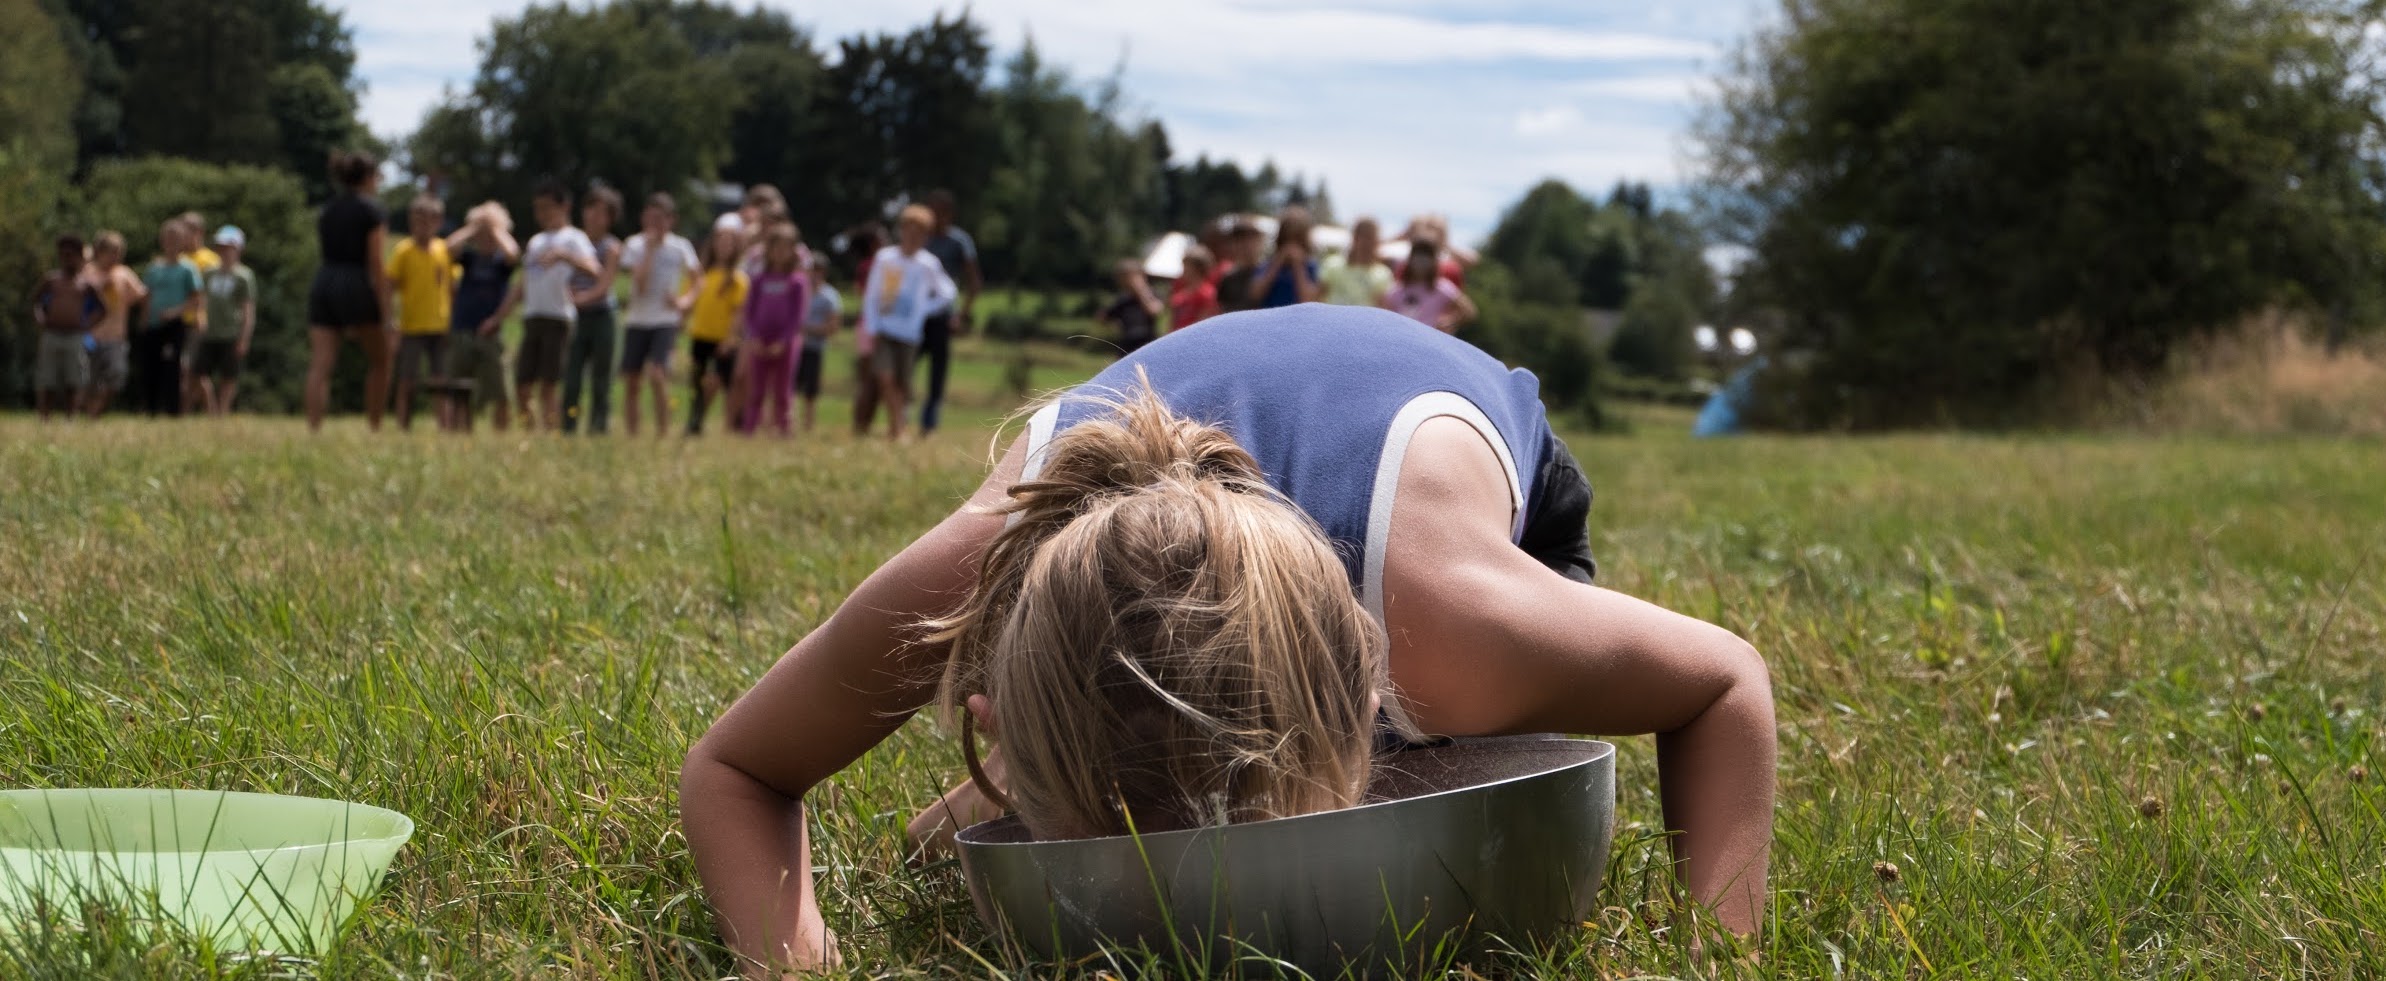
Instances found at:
x=1557 y=529
x=217 y=359
x=642 y=347
x=704 y=356
x=478 y=359
x=807 y=370
x=342 y=296
x=421 y=357
x=540 y=358
x=893 y=357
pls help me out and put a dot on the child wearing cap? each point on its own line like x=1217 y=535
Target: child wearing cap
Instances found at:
x=231 y=322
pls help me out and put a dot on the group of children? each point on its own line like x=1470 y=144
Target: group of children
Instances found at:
x=753 y=302
x=1227 y=273
x=175 y=331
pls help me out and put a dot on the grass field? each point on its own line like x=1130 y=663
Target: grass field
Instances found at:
x=2052 y=707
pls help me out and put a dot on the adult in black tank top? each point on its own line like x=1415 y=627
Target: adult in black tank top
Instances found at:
x=350 y=297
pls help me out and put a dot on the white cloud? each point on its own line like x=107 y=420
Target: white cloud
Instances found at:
x=1406 y=106
x=1547 y=121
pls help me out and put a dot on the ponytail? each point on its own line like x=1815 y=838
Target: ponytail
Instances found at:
x=1168 y=642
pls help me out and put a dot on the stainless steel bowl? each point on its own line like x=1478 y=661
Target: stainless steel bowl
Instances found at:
x=1460 y=843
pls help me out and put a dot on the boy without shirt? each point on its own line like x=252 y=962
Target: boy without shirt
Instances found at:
x=544 y=294
x=65 y=304
x=119 y=292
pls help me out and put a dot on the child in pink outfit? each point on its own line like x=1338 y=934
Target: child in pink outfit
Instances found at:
x=775 y=308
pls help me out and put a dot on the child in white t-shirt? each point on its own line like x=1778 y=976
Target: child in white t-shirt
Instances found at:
x=906 y=284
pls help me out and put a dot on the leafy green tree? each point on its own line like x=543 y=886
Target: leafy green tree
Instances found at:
x=775 y=84
x=1954 y=203
x=1075 y=187
x=198 y=82
x=38 y=98
x=904 y=114
x=259 y=81
x=314 y=115
x=580 y=94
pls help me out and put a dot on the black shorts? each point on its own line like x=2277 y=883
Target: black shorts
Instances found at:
x=343 y=297
x=217 y=359
x=1557 y=530
x=807 y=371
x=706 y=356
x=643 y=346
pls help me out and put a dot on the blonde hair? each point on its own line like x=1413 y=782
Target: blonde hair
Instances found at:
x=492 y=216
x=1166 y=640
x=917 y=214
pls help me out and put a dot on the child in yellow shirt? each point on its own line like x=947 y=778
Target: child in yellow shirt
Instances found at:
x=421 y=278
x=713 y=323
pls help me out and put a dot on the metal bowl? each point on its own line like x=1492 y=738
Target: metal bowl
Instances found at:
x=1458 y=844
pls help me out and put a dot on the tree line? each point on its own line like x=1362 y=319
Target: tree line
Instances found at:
x=1957 y=208
x=1054 y=174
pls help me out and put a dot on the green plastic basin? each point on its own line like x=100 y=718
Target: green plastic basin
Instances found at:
x=250 y=871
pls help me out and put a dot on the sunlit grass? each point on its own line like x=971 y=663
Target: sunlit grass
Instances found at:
x=2104 y=705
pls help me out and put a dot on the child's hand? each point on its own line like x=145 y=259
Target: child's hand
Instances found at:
x=488 y=326
x=775 y=350
x=865 y=343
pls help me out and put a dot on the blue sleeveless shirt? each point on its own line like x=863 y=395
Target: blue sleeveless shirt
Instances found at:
x=1326 y=398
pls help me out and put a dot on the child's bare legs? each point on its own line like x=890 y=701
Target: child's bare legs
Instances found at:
x=225 y=391
x=323 y=352
x=405 y=408
x=376 y=341
x=658 y=381
x=633 y=385
x=894 y=392
x=810 y=411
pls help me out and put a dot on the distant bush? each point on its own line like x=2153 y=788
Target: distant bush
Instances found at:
x=1552 y=341
x=135 y=196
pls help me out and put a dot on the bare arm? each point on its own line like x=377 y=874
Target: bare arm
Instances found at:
x=248 y=325
x=376 y=248
x=1461 y=312
x=1304 y=286
x=1264 y=277
x=647 y=254
x=605 y=274
x=839 y=692
x=1486 y=640
x=505 y=308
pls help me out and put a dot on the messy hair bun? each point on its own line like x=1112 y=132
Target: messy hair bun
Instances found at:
x=1167 y=641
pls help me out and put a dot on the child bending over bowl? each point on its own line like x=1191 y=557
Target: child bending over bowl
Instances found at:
x=1205 y=587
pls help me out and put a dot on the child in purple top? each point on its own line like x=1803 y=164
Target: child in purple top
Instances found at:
x=776 y=306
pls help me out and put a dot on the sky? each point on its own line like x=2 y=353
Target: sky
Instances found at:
x=1404 y=106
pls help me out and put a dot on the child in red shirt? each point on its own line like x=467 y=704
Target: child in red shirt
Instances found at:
x=1195 y=297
